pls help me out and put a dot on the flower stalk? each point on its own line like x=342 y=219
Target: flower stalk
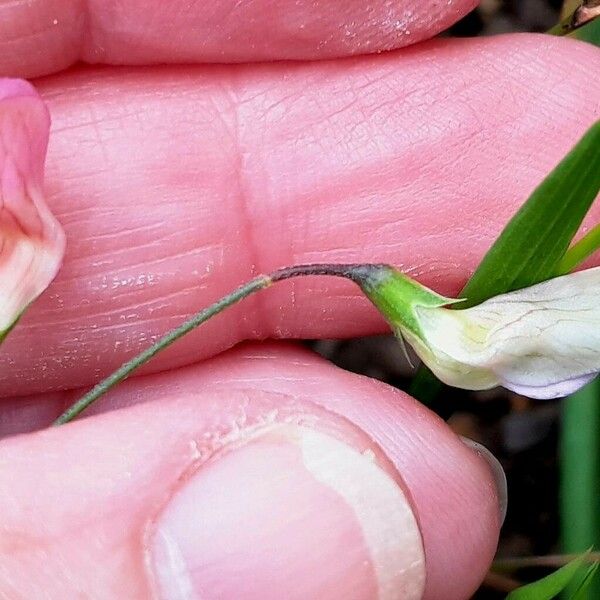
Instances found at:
x=363 y=274
x=542 y=341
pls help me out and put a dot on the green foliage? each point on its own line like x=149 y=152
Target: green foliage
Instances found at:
x=579 y=464
x=585 y=585
x=578 y=252
x=531 y=246
x=550 y=586
x=534 y=242
x=590 y=32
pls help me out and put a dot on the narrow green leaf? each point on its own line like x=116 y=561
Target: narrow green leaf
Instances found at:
x=590 y=32
x=533 y=243
x=583 y=249
x=536 y=238
x=551 y=585
x=583 y=589
x=579 y=463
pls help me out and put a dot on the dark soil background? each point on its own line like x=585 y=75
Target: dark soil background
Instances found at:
x=522 y=434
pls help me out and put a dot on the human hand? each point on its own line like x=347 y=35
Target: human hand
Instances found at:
x=176 y=183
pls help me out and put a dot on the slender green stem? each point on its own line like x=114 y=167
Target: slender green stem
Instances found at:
x=126 y=369
x=548 y=560
x=360 y=274
x=578 y=252
x=579 y=458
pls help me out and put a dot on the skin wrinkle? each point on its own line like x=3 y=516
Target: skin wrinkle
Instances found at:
x=52 y=34
x=244 y=205
x=161 y=300
x=287 y=191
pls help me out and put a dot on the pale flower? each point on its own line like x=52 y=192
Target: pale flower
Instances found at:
x=31 y=240
x=542 y=341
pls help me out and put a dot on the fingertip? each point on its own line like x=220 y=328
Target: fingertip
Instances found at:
x=497 y=472
x=243 y=453
x=12 y=87
x=290 y=513
x=40 y=36
x=455 y=490
x=457 y=495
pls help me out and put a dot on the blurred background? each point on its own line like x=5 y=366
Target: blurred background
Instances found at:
x=504 y=16
x=550 y=450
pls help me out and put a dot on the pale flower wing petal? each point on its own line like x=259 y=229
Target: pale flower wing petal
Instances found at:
x=556 y=390
x=542 y=341
x=32 y=242
x=548 y=338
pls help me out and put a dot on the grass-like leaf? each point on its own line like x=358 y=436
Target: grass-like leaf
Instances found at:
x=590 y=32
x=579 y=461
x=533 y=244
x=570 y=25
x=578 y=252
x=535 y=240
x=583 y=589
x=550 y=586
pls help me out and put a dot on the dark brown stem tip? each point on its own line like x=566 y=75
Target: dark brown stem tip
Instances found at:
x=363 y=274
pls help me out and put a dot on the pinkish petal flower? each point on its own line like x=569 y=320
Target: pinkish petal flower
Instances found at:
x=32 y=242
x=541 y=341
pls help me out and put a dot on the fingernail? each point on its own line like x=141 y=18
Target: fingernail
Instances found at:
x=497 y=472
x=292 y=513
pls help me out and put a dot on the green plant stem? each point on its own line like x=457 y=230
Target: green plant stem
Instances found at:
x=425 y=386
x=578 y=252
x=554 y=561
x=579 y=452
x=126 y=369
x=359 y=273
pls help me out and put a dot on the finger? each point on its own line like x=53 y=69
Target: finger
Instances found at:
x=176 y=186
x=183 y=468
x=44 y=36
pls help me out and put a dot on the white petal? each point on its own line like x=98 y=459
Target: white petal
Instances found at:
x=557 y=390
x=542 y=341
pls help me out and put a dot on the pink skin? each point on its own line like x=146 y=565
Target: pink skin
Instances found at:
x=174 y=185
x=43 y=36
x=233 y=171
x=135 y=456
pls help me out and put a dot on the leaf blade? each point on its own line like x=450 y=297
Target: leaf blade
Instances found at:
x=503 y=268
x=550 y=586
x=590 y=32
x=553 y=214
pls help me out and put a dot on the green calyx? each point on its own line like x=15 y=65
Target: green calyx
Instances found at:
x=398 y=297
x=395 y=295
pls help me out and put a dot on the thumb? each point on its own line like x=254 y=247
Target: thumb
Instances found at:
x=352 y=492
